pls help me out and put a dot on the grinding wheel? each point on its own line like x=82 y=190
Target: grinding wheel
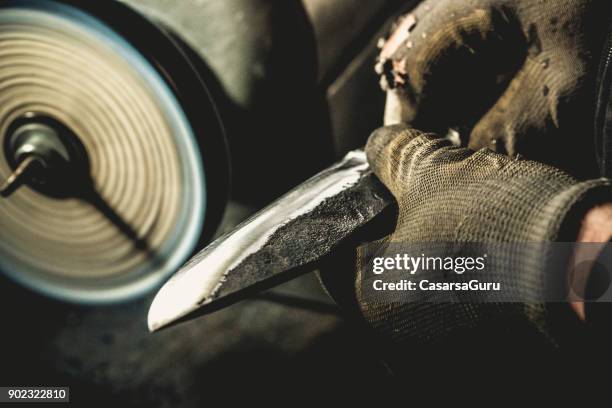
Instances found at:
x=140 y=176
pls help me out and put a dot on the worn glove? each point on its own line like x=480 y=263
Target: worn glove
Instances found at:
x=517 y=76
x=453 y=194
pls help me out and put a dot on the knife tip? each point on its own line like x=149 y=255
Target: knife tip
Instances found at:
x=160 y=313
x=174 y=301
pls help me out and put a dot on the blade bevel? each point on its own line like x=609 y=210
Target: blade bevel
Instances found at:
x=275 y=245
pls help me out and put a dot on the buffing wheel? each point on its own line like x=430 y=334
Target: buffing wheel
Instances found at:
x=131 y=111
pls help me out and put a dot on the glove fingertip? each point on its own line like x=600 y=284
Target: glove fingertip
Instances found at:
x=382 y=148
x=380 y=140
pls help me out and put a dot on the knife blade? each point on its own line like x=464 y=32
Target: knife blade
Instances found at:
x=278 y=243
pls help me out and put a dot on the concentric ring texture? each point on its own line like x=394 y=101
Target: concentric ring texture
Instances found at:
x=59 y=62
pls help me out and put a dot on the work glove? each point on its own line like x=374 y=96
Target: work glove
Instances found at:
x=516 y=80
x=454 y=194
x=516 y=76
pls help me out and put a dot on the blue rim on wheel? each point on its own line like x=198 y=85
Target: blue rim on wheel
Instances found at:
x=131 y=105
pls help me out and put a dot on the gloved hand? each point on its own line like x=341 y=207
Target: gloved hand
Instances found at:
x=453 y=194
x=513 y=76
x=517 y=76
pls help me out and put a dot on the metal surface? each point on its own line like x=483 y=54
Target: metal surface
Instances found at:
x=259 y=60
x=275 y=244
x=57 y=159
x=144 y=210
x=20 y=176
